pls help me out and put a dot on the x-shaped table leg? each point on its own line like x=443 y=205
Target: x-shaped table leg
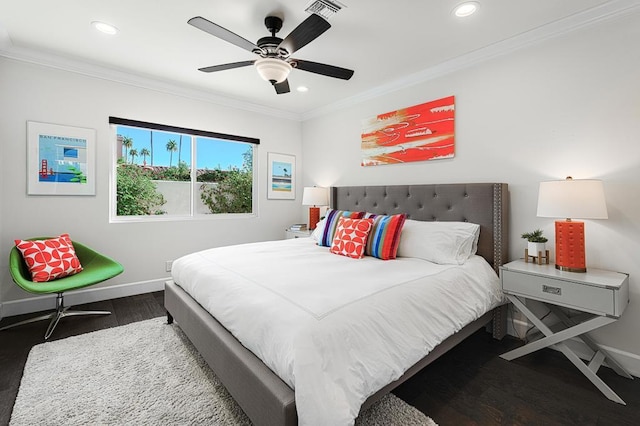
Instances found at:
x=557 y=339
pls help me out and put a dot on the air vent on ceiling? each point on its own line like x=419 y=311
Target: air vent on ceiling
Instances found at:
x=324 y=8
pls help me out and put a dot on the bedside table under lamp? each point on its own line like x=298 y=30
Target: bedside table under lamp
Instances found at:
x=314 y=196
x=598 y=298
x=569 y=198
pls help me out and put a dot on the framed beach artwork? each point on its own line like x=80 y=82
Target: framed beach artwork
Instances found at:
x=282 y=176
x=417 y=133
x=60 y=160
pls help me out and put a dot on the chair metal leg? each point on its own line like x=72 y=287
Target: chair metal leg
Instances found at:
x=52 y=324
x=66 y=313
x=29 y=321
x=55 y=316
x=76 y=313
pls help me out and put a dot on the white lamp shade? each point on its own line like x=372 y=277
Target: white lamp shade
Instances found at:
x=272 y=69
x=315 y=196
x=579 y=199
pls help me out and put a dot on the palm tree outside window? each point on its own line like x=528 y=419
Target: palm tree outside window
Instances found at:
x=213 y=175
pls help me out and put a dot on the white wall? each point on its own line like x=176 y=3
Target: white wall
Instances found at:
x=32 y=92
x=568 y=106
x=2 y=195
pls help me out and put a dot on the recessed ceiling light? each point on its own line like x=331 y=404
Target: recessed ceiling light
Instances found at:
x=302 y=89
x=103 y=27
x=465 y=9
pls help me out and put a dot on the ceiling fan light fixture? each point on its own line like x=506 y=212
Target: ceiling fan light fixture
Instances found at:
x=273 y=70
x=466 y=9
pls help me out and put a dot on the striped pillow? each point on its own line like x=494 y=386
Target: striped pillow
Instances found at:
x=331 y=223
x=384 y=237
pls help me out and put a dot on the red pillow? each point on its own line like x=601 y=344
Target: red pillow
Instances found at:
x=351 y=237
x=49 y=259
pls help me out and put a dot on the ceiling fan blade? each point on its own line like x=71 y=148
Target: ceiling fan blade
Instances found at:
x=303 y=34
x=282 y=87
x=226 y=66
x=323 y=69
x=223 y=33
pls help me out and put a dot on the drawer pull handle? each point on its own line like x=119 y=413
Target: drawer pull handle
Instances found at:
x=553 y=290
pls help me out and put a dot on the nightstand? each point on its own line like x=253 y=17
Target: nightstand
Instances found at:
x=288 y=233
x=600 y=296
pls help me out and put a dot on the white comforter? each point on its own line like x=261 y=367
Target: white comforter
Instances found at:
x=333 y=328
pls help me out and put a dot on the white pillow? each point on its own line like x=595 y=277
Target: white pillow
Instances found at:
x=447 y=243
x=317 y=233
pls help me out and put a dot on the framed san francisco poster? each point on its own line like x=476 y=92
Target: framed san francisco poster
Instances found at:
x=60 y=159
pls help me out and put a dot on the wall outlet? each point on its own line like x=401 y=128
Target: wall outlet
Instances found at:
x=167 y=265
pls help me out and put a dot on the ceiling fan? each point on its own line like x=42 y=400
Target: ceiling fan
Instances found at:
x=275 y=62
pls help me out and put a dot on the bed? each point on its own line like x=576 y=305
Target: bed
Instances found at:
x=264 y=396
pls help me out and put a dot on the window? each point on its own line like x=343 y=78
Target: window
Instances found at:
x=163 y=172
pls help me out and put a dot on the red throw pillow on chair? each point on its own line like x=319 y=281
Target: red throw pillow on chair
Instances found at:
x=49 y=259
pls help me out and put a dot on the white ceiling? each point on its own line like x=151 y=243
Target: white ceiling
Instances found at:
x=387 y=43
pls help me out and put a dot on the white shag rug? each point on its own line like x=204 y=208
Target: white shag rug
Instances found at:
x=144 y=373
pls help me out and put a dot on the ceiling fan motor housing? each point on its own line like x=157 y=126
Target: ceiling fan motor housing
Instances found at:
x=269 y=47
x=273 y=24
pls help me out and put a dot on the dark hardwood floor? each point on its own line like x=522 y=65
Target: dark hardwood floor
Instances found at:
x=470 y=385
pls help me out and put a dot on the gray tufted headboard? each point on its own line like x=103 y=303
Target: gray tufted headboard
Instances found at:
x=483 y=203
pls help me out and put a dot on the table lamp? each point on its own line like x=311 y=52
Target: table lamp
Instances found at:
x=569 y=198
x=314 y=196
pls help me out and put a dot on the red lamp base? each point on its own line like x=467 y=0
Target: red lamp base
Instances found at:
x=314 y=217
x=570 y=255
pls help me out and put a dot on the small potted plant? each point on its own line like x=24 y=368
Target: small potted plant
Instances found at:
x=536 y=242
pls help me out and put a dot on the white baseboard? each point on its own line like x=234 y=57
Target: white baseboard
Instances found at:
x=79 y=297
x=630 y=361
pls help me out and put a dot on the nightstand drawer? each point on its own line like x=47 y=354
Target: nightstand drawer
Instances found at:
x=586 y=298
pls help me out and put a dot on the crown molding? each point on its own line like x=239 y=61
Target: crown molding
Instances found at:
x=604 y=12
x=103 y=72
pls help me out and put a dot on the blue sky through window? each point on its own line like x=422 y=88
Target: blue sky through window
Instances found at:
x=212 y=153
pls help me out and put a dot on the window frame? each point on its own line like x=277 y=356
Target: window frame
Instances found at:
x=194 y=133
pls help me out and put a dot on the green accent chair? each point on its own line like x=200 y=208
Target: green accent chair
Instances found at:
x=95 y=269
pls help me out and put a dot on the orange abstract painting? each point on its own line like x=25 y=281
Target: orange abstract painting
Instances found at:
x=418 y=133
